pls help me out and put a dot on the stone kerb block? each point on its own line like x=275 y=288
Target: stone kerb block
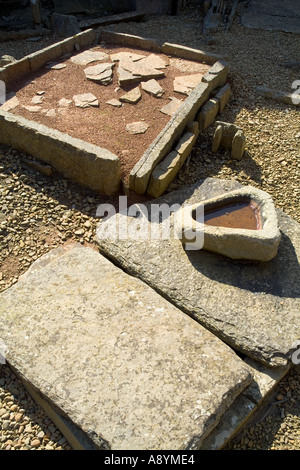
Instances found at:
x=166 y=171
x=84 y=163
x=223 y=95
x=129 y=40
x=208 y=113
x=189 y=53
x=38 y=59
x=229 y=136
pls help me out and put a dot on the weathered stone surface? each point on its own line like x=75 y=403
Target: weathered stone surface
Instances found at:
x=33 y=108
x=100 y=73
x=153 y=88
x=264 y=380
x=121 y=56
x=125 y=77
x=185 y=83
x=238 y=145
x=85 y=100
x=86 y=57
x=141 y=69
x=223 y=96
x=122 y=363
x=166 y=171
x=37 y=99
x=11 y=102
x=228 y=132
x=272 y=16
x=137 y=127
x=208 y=113
x=64 y=103
x=6 y=59
x=252 y=306
x=132 y=97
x=171 y=108
x=89 y=165
x=162 y=145
x=219 y=69
x=114 y=102
x=154 y=61
x=217 y=137
x=55 y=66
x=237 y=242
x=64 y=25
x=130 y=40
x=164 y=174
x=189 y=53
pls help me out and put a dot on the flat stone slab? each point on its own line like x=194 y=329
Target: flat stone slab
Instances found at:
x=252 y=306
x=100 y=73
x=153 y=88
x=171 y=107
x=186 y=83
x=85 y=100
x=122 y=363
x=86 y=57
x=11 y=102
x=132 y=96
x=137 y=127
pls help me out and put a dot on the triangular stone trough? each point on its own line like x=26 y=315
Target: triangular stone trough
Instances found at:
x=241 y=224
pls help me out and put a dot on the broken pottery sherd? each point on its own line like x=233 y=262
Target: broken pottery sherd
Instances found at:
x=241 y=224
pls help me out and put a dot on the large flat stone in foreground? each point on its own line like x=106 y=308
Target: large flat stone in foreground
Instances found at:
x=122 y=363
x=252 y=306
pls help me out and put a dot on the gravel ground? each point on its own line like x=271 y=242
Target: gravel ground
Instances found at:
x=39 y=212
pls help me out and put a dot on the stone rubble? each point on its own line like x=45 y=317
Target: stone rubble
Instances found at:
x=101 y=73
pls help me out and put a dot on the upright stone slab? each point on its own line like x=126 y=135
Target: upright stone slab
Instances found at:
x=123 y=364
x=252 y=306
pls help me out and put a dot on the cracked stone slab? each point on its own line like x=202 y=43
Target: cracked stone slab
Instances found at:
x=189 y=65
x=252 y=306
x=100 y=73
x=154 y=61
x=141 y=69
x=153 y=88
x=123 y=364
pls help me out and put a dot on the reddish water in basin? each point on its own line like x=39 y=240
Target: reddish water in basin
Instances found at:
x=240 y=214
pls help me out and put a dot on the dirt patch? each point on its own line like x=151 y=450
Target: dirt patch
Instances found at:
x=104 y=125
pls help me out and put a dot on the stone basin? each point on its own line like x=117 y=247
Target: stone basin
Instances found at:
x=241 y=224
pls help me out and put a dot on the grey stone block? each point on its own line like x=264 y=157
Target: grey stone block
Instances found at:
x=124 y=365
x=252 y=306
x=80 y=161
x=189 y=53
